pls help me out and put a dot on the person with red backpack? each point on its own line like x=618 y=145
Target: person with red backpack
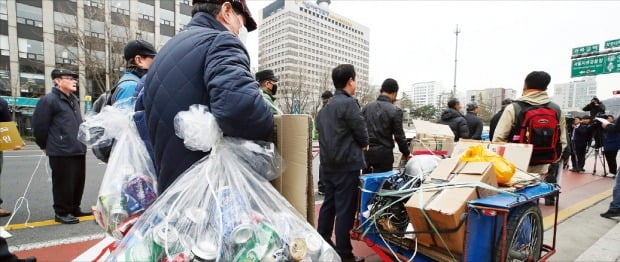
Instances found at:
x=534 y=119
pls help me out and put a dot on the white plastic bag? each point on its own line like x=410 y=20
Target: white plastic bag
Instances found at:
x=129 y=185
x=222 y=208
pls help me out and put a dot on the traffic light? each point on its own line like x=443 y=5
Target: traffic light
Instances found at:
x=616 y=92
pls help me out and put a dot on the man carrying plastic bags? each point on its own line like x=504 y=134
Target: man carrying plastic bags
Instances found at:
x=223 y=208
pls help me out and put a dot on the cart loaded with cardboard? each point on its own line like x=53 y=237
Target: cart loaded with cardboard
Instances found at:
x=469 y=201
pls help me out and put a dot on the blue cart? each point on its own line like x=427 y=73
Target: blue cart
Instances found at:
x=498 y=228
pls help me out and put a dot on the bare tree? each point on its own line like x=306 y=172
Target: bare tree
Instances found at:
x=366 y=94
x=103 y=62
x=294 y=96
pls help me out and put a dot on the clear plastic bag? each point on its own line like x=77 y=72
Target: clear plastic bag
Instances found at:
x=129 y=183
x=222 y=208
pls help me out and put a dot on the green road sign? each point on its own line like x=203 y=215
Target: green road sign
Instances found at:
x=585 y=49
x=611 y=43
x=597 y=65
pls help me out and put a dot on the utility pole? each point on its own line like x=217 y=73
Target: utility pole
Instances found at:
x=456 y=32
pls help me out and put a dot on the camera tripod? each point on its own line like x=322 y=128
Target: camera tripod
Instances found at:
x=598 y=157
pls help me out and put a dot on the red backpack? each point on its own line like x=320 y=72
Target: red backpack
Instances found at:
x=540 y=126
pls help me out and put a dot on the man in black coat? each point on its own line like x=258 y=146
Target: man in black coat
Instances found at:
x=580 y=141
x=55 y=123
x=342 y=138
x=495 y=118
x=453 y=118
x=474 y=123
x=384 y=122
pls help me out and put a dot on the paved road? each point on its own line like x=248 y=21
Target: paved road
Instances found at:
x=18 y=169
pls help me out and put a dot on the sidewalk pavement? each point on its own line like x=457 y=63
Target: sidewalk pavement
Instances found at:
x=605 y=249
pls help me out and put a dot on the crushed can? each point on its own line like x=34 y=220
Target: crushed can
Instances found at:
x=133 y=207
x=141 y=189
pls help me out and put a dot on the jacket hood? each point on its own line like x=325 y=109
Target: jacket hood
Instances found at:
x=536 y=98
x=450 y=113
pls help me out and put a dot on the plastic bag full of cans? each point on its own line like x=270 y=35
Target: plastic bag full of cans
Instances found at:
x=128 y=186
x=222 y=208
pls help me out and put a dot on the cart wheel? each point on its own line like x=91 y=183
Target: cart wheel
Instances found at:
x=524 y=236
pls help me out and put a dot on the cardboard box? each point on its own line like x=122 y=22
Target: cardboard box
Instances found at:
x=432 y=136
x=446 y=206
x=9 y=136
x=518 y=154
x=294 y=144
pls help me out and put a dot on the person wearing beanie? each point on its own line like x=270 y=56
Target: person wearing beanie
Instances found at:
x=384 y=122
x=474 y=123
x=206 y=64
x=496 y=117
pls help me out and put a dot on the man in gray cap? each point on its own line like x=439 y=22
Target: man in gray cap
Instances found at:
x=55 y=124
x=496 y=117
x=473 y=121
x=268 y=84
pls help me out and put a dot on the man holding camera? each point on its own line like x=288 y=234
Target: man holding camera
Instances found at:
x=595 y=107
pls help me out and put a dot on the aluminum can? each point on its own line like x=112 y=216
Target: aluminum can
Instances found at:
x=164 y=237
x=204 y=251
x=298 y=248
x=314 y=243
x=141 y=189
x=139 y=252
x=234 y=210
x=133 y=207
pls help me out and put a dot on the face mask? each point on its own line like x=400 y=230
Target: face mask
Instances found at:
x=243 y=35
x=274 y=89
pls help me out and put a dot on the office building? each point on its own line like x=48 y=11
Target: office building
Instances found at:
x=302 y=42
x=489 y=99
x=573 y=96
x=86 y=36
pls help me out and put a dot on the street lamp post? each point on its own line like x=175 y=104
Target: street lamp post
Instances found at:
x=456 y=32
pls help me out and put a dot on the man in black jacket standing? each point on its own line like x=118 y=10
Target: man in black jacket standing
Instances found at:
x=453 y=118
x=474 y=123
x=384 y=121
x=56 y=122
x=343 y=138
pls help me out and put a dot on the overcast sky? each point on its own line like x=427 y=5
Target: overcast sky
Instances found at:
x=499 y=44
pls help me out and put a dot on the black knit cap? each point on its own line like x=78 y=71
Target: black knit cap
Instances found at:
x=266 y=75
x=239 y=6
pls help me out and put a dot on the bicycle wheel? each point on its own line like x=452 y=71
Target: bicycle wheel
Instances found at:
x=524 y=235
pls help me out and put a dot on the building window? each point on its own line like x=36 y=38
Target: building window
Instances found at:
x=66 y=54
x=166 y=17
x=65 y=22
x=4 y=45
x=95 y=28
x=32 y=85
x=29 y=15
x=94 y=3
x=146 y=12
x=3 y=10
x=120 y=6
x=30 y=49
